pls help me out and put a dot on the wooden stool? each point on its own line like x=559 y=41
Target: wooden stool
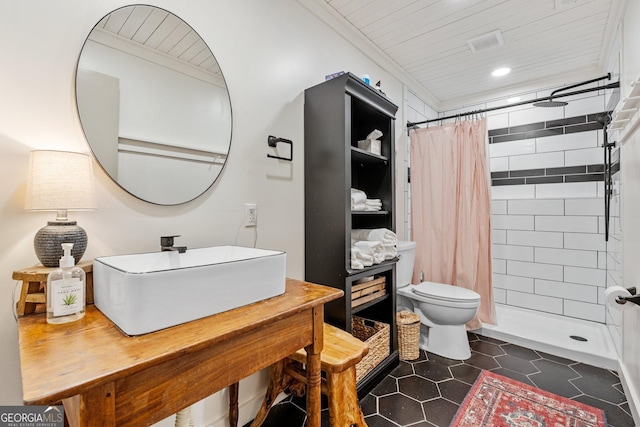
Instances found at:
x=33 y=296
x=340 y=354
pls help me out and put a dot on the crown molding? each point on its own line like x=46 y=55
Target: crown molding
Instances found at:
x=336 y=22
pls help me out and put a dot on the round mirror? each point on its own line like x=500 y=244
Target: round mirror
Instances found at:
x=153 y=105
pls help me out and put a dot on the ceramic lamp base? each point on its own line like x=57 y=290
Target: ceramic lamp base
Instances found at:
x=49 y=239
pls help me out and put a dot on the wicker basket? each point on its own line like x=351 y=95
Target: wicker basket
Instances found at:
x=377 y=337
x=408 y=324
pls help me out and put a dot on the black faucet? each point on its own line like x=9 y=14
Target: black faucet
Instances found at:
x=166 y=244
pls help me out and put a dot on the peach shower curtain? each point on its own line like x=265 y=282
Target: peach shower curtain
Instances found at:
x=451 y=210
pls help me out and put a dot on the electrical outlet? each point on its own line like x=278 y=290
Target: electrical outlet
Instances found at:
x=250 y=215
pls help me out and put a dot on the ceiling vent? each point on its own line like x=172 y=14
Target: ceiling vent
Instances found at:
x=565 y=3
x=486 y=41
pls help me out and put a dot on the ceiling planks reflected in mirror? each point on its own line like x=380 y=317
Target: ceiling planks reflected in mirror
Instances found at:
x=153 y=105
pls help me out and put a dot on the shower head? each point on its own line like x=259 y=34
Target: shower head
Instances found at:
x=604 y=119
x=550 y=103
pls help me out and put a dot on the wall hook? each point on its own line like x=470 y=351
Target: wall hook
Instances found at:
x=272 y=141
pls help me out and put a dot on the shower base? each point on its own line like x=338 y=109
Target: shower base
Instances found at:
x=549 y=333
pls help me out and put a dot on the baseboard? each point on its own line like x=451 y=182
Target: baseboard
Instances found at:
x=631 y=391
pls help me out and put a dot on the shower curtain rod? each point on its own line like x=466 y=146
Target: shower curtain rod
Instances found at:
x=614 y=85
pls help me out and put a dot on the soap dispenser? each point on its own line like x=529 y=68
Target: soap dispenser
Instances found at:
x=66 y=290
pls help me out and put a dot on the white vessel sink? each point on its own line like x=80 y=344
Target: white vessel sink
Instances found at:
x=147 y=292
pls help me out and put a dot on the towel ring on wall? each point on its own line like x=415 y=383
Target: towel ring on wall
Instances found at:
x=272 y=141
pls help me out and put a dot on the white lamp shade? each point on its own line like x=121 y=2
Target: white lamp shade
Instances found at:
x=60 y=180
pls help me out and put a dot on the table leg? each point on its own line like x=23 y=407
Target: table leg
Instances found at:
x=314 y=368
x=95 y=407
x=233 y=404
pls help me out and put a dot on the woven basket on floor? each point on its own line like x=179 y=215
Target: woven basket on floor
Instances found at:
x=377 y=337
x=408 y=324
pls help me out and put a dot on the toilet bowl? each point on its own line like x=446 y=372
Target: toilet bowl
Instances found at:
x=443 y=309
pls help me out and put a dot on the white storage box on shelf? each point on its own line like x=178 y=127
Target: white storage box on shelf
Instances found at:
x=370 y=145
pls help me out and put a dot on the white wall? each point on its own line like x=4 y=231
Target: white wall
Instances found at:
x=269 y=53
x=630 y=206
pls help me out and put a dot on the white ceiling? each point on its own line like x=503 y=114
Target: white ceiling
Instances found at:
x=140 y=28
x=546 y=42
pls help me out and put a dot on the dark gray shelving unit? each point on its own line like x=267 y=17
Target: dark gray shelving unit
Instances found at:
x=339 y=113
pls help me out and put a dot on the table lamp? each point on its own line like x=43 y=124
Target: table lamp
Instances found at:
x=59 y=181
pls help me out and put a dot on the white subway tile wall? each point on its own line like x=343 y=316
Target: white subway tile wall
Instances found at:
x=548 y=246
x=499 y=236
x=571 y=291
x=585 y=105
x=535 y=302
x=499 y=207
x=510 y=192
x=536 y=161
x=568 y=190
x=568 y=224
x=542 y=239
x=534 y=115
x=614 y=264
x=554 y=230
x=584 y=207
x=586 y=276
x=570 y=141
x=586 y=156
x=513 y=283
x=535 y=207
x=499 y=164
x=513 y=222
x=499 y=296
x=515 y=148
x=518 y=253
x=583 y=310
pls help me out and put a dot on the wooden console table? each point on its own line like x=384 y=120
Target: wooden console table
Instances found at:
x=105 y=378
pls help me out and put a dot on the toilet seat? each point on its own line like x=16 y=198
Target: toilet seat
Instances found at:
x=442 y=292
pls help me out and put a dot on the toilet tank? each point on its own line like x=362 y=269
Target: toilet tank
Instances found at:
x=404 y=267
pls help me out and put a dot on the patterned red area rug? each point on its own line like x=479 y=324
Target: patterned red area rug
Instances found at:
x=497 y=401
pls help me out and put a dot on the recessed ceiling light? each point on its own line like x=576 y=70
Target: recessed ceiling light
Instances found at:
x=501 y=72
x=513 y=99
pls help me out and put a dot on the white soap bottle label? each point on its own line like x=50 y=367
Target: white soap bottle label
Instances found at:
x=67 y=296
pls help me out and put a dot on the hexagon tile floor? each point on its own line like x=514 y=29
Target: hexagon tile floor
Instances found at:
x=428 y=391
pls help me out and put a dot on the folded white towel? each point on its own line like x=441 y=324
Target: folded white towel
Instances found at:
x=373 y=205
x=358 y=194
x=390 y=251
x=356 y=264
x=383 y=235
x=360 y=260
x=360 y=206
x=357 y=197
x=372 y=248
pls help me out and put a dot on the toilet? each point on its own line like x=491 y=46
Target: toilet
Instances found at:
x=443 y=309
